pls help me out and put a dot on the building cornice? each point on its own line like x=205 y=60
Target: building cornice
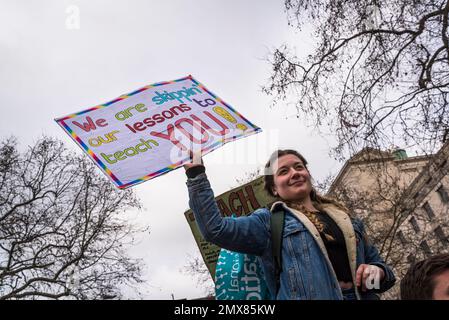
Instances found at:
x=382 y=158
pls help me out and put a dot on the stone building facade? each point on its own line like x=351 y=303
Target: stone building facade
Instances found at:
x=404 y=202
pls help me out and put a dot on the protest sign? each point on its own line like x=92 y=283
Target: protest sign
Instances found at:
x=240 y=201
x=153 y=130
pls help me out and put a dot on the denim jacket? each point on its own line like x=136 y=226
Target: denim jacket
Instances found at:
x=306 y=269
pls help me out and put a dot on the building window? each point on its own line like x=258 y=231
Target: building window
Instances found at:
x=401 y=237
x=440 y=235
x=425 y=247
x=443 y=194
x=414 y=224
x=428 y=210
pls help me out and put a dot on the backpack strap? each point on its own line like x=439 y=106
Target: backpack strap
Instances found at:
x=277 y=228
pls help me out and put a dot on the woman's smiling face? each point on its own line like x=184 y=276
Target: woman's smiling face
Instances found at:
x=292 y=180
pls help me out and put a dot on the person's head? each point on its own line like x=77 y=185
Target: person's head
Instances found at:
x=287 y=176
x=427 y=279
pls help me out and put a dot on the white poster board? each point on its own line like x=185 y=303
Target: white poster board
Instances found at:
x=153 y=130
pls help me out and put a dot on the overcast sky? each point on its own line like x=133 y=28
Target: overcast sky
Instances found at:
x=50 y=68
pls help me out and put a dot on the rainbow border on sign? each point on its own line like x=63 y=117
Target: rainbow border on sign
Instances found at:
x=108 y=172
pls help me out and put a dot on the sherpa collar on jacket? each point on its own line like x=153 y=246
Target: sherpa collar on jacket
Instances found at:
x=343 y=221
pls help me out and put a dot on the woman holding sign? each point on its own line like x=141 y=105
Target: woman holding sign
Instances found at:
x=325 y=253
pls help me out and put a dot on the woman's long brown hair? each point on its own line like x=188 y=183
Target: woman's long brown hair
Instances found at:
x=317 y=199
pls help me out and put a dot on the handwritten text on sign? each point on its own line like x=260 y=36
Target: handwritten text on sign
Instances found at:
x=152 y=130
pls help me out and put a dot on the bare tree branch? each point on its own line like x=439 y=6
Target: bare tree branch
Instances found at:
x=59 y=219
